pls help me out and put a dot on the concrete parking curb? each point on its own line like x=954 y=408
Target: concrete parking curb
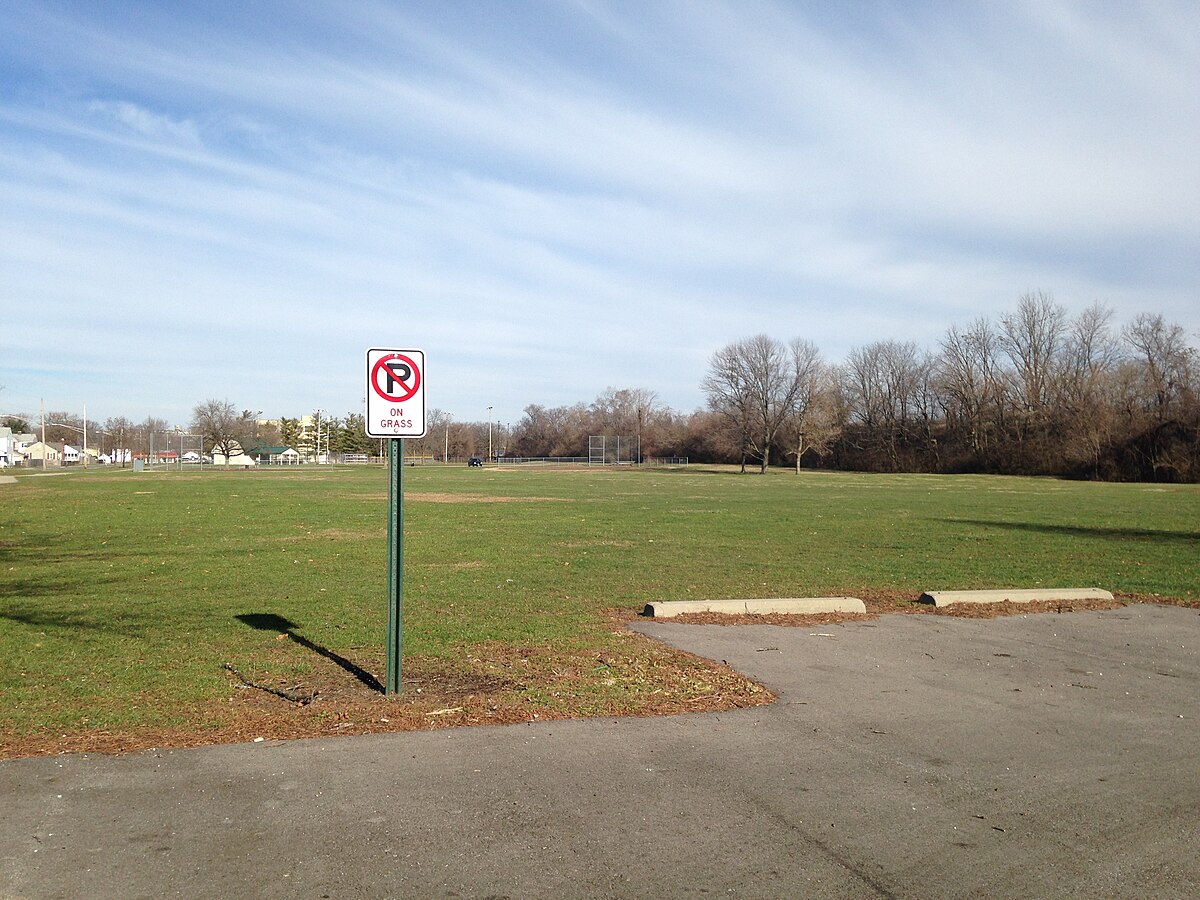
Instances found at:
x=669 y=608
x=1014 y=595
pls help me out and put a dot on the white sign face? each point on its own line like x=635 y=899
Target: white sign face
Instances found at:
x=396 y=393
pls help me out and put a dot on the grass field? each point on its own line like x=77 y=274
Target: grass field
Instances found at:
x=123 y=596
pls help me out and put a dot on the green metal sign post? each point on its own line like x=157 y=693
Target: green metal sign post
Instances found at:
x=395 y=562
x=395 y=410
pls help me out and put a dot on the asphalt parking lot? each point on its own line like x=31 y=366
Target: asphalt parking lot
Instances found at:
x=909 y=756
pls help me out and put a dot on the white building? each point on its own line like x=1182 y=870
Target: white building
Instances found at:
x=8 y=448
x=236 y=458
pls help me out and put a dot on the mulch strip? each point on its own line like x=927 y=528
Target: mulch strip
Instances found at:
x=879 y=602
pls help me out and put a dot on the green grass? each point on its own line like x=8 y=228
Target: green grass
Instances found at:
x=120 y=592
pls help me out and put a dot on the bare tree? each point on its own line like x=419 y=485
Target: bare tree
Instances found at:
x=971 y=381
x=623 y=411
x=819 y=419
x=433 y=444
x=553 y=431
x=1032 y=338
x=888 y=386
x=120 y=433
x=63 y=427
x=221 y=427
x=1167 y=363
x=536 y=431
x=727 y=385
x=438 y=432
x=1084 y=400
x=756 y=385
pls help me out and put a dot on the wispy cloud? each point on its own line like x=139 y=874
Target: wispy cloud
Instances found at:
x=553 y=198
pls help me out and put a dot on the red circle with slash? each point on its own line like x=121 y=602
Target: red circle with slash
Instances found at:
x=382 y=367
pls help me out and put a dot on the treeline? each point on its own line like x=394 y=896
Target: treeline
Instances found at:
x=1035 y=392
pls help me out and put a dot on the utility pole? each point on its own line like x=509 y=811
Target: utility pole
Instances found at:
x=489 y=434
x=318 y=437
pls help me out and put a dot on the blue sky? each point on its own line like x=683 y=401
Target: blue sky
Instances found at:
x=236 y=200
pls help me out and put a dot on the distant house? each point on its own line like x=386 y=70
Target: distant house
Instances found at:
x=8 y=448
x=13 y=447
x=40 y=453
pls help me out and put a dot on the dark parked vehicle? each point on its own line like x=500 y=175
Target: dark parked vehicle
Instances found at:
x=474 y=461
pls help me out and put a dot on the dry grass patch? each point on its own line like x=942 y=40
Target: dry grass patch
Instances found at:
x=437 y=497
x=299 y=695
x=579 y=545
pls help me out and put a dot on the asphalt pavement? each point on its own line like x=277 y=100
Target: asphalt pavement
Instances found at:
x=910 y=756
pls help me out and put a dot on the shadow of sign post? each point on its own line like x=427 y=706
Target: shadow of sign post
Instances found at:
x=277 y=624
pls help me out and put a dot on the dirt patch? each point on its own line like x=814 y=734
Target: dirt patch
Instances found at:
x=453 y=566
x=578 y=545
x=334 y=534
x=443 y=497
x=435 y=497
x=490 y=685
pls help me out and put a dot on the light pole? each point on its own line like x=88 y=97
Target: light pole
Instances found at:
x=639 y=435
x=489 y=434
x=319 y=411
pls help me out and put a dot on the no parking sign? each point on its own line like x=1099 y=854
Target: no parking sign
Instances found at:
x=395 y=409
x=395 y=393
